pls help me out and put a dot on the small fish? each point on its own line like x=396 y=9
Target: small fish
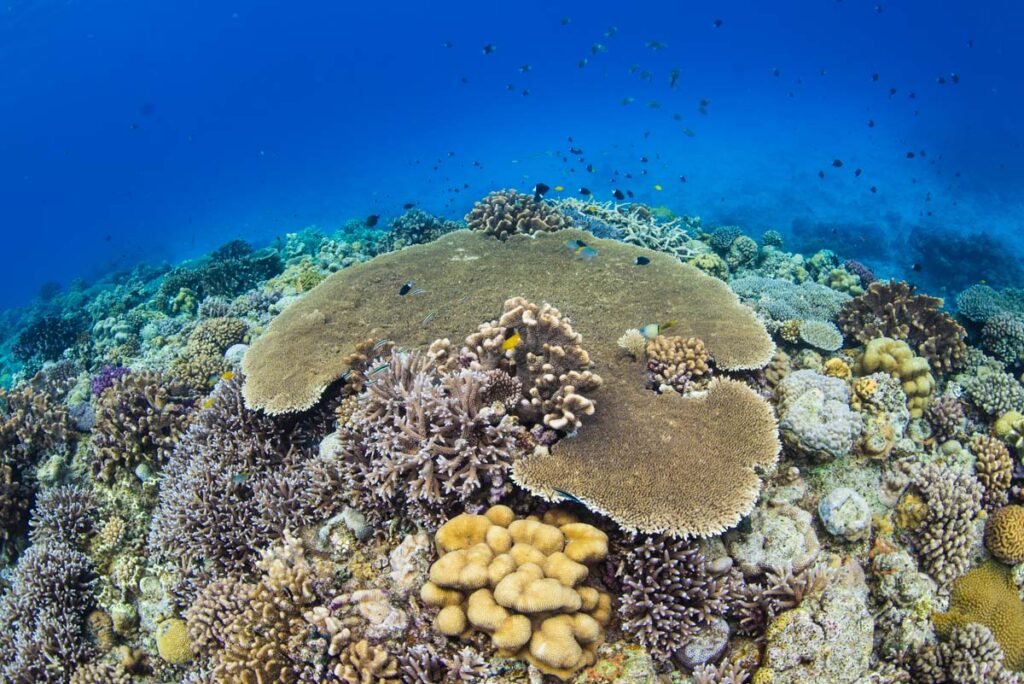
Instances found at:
x=857 y=172
x=874 y=189
x=539 y=190
x=688 y=132
x=208 y=403
x=910 y=155
x=523 y=69
x=718 y=23
x=618 y=194
x=597 y=48
x=629 y=194
x=240 y=478
x=821 y=174
x=559 y=188
x=874 y=77
x=641 y=261
x=626 y=100
x=644 y=160
x=590 y=168
x=612 y=30
x=372 y=220
x=656 y=45
x=585 y=192
x=418 y=291
x=871 y=123
x=657 y=186
x=650 y=331
x=955 y=78
x=838 y=163
x=575 y=244
x=448 y=44
x=565 y=21
x=776 y=72
x=673 y=78
x=429 y=317
x=378 y=369
x=512 y=342
x=916 y=267
x=582 y=63
x=227 y=375
x=488 y=49
x=665 y=326
x=575 y=150
x=405 y=288
x=569 y=496
x=682 y=178
x=586 y=253
x=408 y=205
x=380 y=343
x=654 y=104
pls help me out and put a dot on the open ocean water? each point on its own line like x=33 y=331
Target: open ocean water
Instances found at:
x=186 y=185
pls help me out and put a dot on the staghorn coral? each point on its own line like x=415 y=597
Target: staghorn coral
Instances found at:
x=682 y=363
x=944 y=533
x=669 y=593
x=993 y=468
x=894 y=310
x=336 y=314
x=987 y=595
x=424 y=442
x=709 y=449
x=15 y=500
x=815 y=417
x=44 y=614
x=520 y=581
x=105 y=378
x=361 y=663
x=419 y=664
x=822 y=335
x=507 y=212
x=1004 y=534
x=139 y=419
x=236 y=479
x=634 y=224
x=63 y=514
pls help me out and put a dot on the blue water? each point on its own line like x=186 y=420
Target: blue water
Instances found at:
x=155 y=131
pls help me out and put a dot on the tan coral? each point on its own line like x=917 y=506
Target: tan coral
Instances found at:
x=897 y=359
x=362 y=663
x=994 y=468
x=633 y=342
x=535 y=607
x=507 y=212
x=1004 y=534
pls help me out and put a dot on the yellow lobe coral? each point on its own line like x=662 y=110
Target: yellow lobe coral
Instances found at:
x=562 y=568
x=1004 y=534
x=587 y=544
x=436 y=596
x=461 y=532
x=451 y=621
x=545 y=538
x=525 y=592
x=987 y=595
x=898 y=360
x=501 y=516
x=463 y=568
x=837 y=368
x=172 y=641
x=556 y=647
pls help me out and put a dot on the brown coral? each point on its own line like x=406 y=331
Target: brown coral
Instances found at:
x=894 y=310
x=361 y=663
x=993 y=468
x=203 y=357
x=1004 y=534
x=682 y=363
x=506 y=212
x=692 y=471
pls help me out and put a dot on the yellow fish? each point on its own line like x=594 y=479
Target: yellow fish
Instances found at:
x=227 y=375
x=208 y=403
x=657 y=187
x=511 y=342
x=559 y=188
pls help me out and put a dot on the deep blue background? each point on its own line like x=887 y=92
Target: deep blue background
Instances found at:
x=149 y=131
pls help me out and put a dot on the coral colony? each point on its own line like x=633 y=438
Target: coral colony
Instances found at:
x=563 y=440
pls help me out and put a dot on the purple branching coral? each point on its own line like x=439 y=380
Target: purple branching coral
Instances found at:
x=427 y=442
x=947 y=417
x=106 y=377
x=866 y=275
x=234 y=482
x=43 y=613
x=63 y=515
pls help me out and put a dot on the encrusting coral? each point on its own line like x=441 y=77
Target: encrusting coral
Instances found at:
x=815 y=419
x=894 y=310
x=520 y=581
x=507 y=212
x=139 y=419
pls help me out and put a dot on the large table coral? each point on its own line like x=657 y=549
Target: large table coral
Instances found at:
x=636 y=436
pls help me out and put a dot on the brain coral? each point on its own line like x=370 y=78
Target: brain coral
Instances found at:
x=507 y=212
x=815 y=417
x=893 y=309
x=521 y=582
x=1004 y=534
x=987 y=595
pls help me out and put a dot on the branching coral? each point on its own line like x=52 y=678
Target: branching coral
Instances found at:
x=63 y=515
x=234 y=482
x=894 y=310
x=203 y=357
x=971 y=655
x=414 y=227
x=780 y=300
x=520 y=581
x=632 y=223
x=36 y=419
x=427 y=441
x=44 y=636
x=1003 y=337
x=993 y=468
x=139 y=419
x=506 y=212
x=947 y=417
x=682 y=363
x=47 y=337
x=944 y=533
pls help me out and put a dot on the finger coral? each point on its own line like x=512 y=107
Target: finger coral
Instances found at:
x=507 y=212
x=139 y=420
x=971 y=655
x=682 y=363
x=203 y=357
x=708 y=450
x=894 y=310
x=515 y=580
x=63 y=514
x=993 y=467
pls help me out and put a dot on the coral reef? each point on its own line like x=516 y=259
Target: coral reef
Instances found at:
x=815 y=418
x=894 y=310
x=822 y=335
x=508 y=212
x=520 y=581
x=993 y=468
x=63 y=515
x=682 y=363
x=414 y=227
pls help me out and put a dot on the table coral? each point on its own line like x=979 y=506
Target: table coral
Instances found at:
x=520 y=581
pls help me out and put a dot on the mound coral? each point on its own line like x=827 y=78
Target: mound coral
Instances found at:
x=994 y=392
x=1004 y=534
x=815 y=417
x=821 y=334
x=987 y=595
x=233 y=483
x=943 y=528
x=894 y=310
x=425 y=442
x=896 y=358
x=978 y=303
x=47 y=337
x=43 y=612
x=506 y=212
x=520 y=581
x=414 y=227
x=139 y=419
x=1002 y=336
x=708 y=450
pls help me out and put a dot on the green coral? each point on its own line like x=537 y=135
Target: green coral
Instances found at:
x=712 y=264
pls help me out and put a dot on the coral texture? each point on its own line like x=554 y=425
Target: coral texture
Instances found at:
x=682 y=363
x=507 y=212
x=815 y=417
x=896 y=358
x=994 y=468
x=1004 y=534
